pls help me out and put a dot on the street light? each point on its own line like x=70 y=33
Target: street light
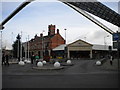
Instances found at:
x=28 y=47
x=1 y=47
x=43 y=44
x=65 y=35
x=12 y=43
x=21 y=46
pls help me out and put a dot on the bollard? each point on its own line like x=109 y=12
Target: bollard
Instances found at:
x=68 y=61
x=44 y=62
x=28 y=61
x=21 y=63
x=98 y=63
x=56 y=64
x=39 y=64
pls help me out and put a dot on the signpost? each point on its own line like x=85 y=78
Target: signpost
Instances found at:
x=116 y=45
x=116 y=40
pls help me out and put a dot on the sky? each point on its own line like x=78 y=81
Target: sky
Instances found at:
x=35 y=18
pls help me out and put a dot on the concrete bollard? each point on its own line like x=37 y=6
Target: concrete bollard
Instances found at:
x=56 y=64
x=98 y=63
x=69 y=62
x=28 y=61
x=44 y=62
x=21 y=63
x=40 y=64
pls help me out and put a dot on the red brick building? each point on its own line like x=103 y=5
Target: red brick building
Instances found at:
x=39 y=44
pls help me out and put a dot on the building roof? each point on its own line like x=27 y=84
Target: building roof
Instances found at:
x=61 y=47
x=80 y=41
x=101 y=47
x=94 y=47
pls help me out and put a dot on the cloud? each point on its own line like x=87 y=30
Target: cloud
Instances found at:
x=36 y=17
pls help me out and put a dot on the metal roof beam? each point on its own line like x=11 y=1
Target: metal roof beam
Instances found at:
x=90 y=18
x=15 y=12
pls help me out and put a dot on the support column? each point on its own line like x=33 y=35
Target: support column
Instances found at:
x=91 y=55
x=49 y=52
x=68 y=53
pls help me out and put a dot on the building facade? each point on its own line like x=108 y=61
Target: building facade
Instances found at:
x=40 y=44
x=83 y=50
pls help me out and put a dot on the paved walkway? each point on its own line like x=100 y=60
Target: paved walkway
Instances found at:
x=79 y=67
x=83 y=74
x=108 y=66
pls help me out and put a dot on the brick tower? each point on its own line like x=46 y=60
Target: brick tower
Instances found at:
x=51 y=30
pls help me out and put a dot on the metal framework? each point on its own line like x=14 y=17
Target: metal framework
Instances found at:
x=100 y=10
x=14 y=13
x=91 y=18
x=94 y=7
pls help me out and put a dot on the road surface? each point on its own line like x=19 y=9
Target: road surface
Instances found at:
x=83 y=74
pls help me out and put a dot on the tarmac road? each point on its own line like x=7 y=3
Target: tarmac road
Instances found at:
x=83 y=74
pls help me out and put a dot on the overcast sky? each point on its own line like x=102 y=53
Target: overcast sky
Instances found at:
x=36 y=17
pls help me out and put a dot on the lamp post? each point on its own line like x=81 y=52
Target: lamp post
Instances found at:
x=12 y=43
x=1 y=47
x=42 y=45
x=28 y=47
x=18 y=51
x=65 y=51
x=21 y=46
x=65 y=36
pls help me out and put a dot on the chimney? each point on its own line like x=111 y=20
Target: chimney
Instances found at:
x=48 y=33
x=36 y=36
x=57 y=31
x=41 y=35
x=51 y=30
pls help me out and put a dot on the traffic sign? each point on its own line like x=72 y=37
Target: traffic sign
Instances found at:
x=116 y=40
x=116 y=36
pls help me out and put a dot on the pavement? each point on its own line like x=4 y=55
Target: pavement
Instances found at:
x=83 y=74
x=108 y=66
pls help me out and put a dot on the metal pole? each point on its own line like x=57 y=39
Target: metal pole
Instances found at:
x=90 y=18
x=15 y=12
x=18 y=50
x=11 y=44
x=28 y=47
x=1 y=47
x=1 y=63
x=65 y=35
x=26 y=50
x=42 y=47
x=21 y=46
x=118 y=48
